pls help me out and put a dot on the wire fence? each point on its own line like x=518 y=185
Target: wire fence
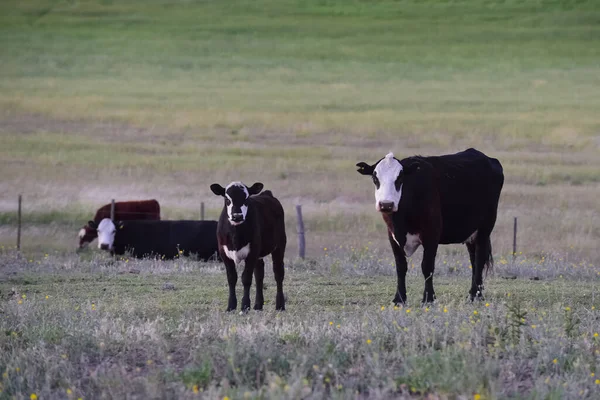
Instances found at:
x=301 y=230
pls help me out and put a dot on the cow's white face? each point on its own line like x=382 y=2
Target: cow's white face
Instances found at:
x=236 y=199
x=106 y=234
x=387 y=175
x=388 y=184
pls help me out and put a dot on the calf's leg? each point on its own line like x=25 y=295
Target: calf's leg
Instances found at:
x=279 y=273
x=259 y=274
x=247 y=282
x=231 y=281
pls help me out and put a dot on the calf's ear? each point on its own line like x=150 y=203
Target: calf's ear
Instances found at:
x=217 y=189
x=256 y=188
x=92 y=225
x=364 y=168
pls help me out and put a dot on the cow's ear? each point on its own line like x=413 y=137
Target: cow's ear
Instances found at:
x=92 y=225
x=256 y=188
x=412 y=167
x=217 y=189
x=364 y=168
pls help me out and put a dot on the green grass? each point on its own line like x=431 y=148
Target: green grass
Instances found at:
x=93 y=327
x=506 y=69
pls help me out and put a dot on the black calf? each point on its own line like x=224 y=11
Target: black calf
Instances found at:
x=251 y=227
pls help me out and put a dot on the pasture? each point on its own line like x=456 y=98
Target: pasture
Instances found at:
x=133 y=99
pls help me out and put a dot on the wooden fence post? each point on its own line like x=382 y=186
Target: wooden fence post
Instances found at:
x=301 y=241
x=202 y=211
x=514 y=240
x=112 y=210
x=19 y=224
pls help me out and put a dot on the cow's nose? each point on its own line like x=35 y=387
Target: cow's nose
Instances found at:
x=237 y=217
x=103 y=246
x=386 y=206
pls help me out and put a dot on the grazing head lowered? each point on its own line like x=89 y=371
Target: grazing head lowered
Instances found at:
x=388 y=177
x=236 y=196
x=107 y=230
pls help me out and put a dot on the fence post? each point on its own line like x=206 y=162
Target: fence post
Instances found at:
x=19 y=224
x=202 y=211
x=301 y=241
x=514 y=240
x=112 y=210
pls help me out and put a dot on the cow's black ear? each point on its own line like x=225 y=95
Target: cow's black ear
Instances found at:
x=217 y=189
x=412 y=167
x=92 y=225
x=256 y=188
x=364 y=168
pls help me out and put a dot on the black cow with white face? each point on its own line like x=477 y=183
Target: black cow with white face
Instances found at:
x=438 y=200
x=251 y=227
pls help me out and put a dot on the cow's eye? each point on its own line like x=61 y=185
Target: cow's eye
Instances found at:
x=227 y=201
x=376 y=181
x=398 y=182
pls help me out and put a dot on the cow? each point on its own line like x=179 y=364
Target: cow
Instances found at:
x=430 y=201
x=158 y=239
x=124 y=210
x=251 y=226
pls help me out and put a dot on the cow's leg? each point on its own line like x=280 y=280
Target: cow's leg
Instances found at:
x=483 y=252
x=428 y=267
x=472 y=248
x=279 y=273
x=247 y=282
x=401 y=268
x=231 y=280
x=259 y=274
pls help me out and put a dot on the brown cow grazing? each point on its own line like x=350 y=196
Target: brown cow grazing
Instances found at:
x=124 y=210
x=251 y=227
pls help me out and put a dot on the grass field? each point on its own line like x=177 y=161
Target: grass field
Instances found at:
x=98 y=328
x=153 y=99
x=135 y=99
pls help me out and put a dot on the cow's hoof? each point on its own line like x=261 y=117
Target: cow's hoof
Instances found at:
x=476 y=297
x=428 y=298
x=229 y=309
x=282 y=308
x=399 y=301
x=258 y=307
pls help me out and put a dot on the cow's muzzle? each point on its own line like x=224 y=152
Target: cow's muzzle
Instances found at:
x=104 y=246
x=237 y=217
x=386 y=206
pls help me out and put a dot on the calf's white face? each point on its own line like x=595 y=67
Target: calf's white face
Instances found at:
x=106 y=234
x=236 y=196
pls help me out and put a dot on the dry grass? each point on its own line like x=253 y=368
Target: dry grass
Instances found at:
x=91 y=328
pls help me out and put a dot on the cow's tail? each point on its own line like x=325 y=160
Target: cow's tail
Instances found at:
x=489 y=262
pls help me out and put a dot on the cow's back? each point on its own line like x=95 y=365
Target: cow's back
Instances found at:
x=130 y=210
x=167 y=239
x=469 y=185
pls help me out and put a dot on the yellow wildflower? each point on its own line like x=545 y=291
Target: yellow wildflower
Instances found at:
x=596 y=334
x=195 y=389
x=69 y=391
x=475 y=312
x=33 y=396
x=555 y=361
x=476 y=396
x=368 y=341
x=330 y=323
x=382 y=308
